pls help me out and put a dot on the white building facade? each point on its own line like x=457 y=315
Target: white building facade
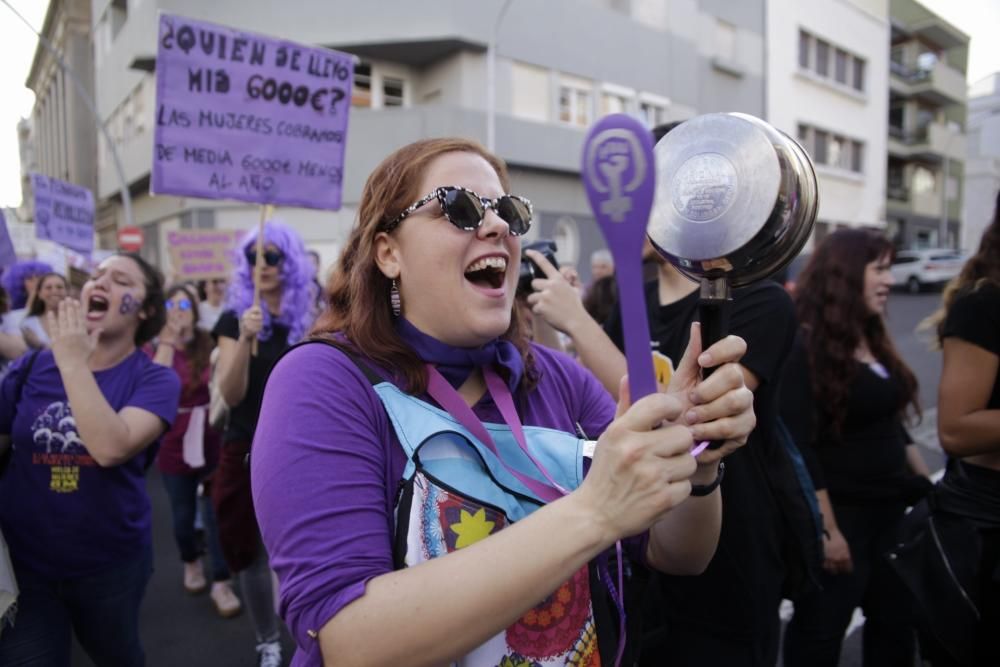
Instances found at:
x=827 y=82
x=561 y=65
x=982 y=167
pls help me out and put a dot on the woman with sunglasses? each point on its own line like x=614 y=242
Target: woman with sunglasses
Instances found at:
x=73 y=502
x=286 y=298
x=51 y=290
x=417 y=470
x=189 y=451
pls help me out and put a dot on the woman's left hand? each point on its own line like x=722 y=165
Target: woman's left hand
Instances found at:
x=71 y=344
x=719 y=408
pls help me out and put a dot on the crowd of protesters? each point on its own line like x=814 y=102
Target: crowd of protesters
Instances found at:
x=441 y=468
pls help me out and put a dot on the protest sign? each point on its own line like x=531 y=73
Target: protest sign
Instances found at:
x=7 y=254
x=202 y=254
x=64 y=213
x=247 y=117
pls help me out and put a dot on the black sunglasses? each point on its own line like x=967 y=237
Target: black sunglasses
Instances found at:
x=271 y=257
x=466 y=209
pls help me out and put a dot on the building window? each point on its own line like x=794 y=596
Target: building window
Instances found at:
x=857 y=157
x=924 y=180
x=833 y=150
x=361 y=96
x=654 y=114
x=816 y=54
x=530 y=92
x=574 y=103
x=859 y=74
x=725 y=41
x=392 y=91
x=840 y=67
x=805 y=45
x=822 y=58
x=820 y=146
x=612 y=103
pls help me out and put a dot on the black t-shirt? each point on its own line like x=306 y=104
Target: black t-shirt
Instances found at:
x=866 y=463
x=739 y=593
x=974 y=317
x=243 y=417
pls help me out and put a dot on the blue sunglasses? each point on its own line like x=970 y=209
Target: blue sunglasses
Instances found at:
x=183 y=304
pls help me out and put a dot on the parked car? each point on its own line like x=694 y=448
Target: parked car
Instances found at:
x=915 y=270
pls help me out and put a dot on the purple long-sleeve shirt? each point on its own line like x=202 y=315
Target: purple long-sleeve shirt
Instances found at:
x=326 y=466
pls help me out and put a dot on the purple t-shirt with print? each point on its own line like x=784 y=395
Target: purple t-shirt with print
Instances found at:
x=63 y=516
x=326 y=466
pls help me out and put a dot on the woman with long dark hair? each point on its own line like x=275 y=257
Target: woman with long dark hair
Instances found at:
x=846 y=392
x=52 y=288
x=419 y=471
x=189 y=451
x=73 y=503
x=282 y=318
x=968 y=327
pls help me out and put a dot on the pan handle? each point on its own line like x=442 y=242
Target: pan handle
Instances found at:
x=714 y=306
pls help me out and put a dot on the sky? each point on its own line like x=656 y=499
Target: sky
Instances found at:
x=977 y=18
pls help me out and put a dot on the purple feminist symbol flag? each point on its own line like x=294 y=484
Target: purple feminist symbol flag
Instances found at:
x=7 y=254
x=64 y=213
x=619 y=176
x=247 y=117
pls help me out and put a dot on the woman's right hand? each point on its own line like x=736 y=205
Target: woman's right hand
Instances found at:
x=836 y=553
x=251 y=322
x=640 y=469
x=170 y=334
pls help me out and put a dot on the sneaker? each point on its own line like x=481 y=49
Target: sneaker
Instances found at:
x=269 y=654
x=226 y=602
x=194 y=577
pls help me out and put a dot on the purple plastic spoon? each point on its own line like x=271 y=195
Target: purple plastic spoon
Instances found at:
x=619 y=176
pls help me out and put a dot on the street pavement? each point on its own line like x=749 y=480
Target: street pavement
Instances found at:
x=183 y=630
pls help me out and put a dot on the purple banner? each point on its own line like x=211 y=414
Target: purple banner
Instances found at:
x=64 y=213
x=247 y=117
x=7 y=254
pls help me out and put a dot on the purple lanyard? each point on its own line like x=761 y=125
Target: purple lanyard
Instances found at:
x=448 y=398
x=441 y=391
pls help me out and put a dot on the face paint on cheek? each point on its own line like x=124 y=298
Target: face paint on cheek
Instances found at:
x=129 y=305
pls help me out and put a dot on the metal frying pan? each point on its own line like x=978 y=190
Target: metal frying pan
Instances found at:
x=735 y=202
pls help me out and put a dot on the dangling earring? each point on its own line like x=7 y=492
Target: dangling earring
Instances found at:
x=394 y=299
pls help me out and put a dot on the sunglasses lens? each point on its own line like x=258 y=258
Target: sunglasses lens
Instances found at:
x=515 y=213
x=271 y=258
x=463 y=209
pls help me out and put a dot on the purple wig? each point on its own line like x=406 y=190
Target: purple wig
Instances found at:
x=14 y=277
x=297 y=288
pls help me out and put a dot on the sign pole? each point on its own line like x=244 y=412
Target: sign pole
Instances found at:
x=266 y=210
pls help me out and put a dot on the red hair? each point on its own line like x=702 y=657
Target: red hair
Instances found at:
x=358 y=291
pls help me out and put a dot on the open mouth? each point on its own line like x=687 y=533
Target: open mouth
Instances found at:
x=488 y=272
x=97 y=304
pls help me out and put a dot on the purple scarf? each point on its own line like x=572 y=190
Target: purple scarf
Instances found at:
x=457 y=363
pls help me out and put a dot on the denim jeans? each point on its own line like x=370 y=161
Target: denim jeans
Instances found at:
x=184 y=503
x=101 y=609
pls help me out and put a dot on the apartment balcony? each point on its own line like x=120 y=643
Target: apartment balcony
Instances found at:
x=940 y=84
x=904 y=202
x=932 y=143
